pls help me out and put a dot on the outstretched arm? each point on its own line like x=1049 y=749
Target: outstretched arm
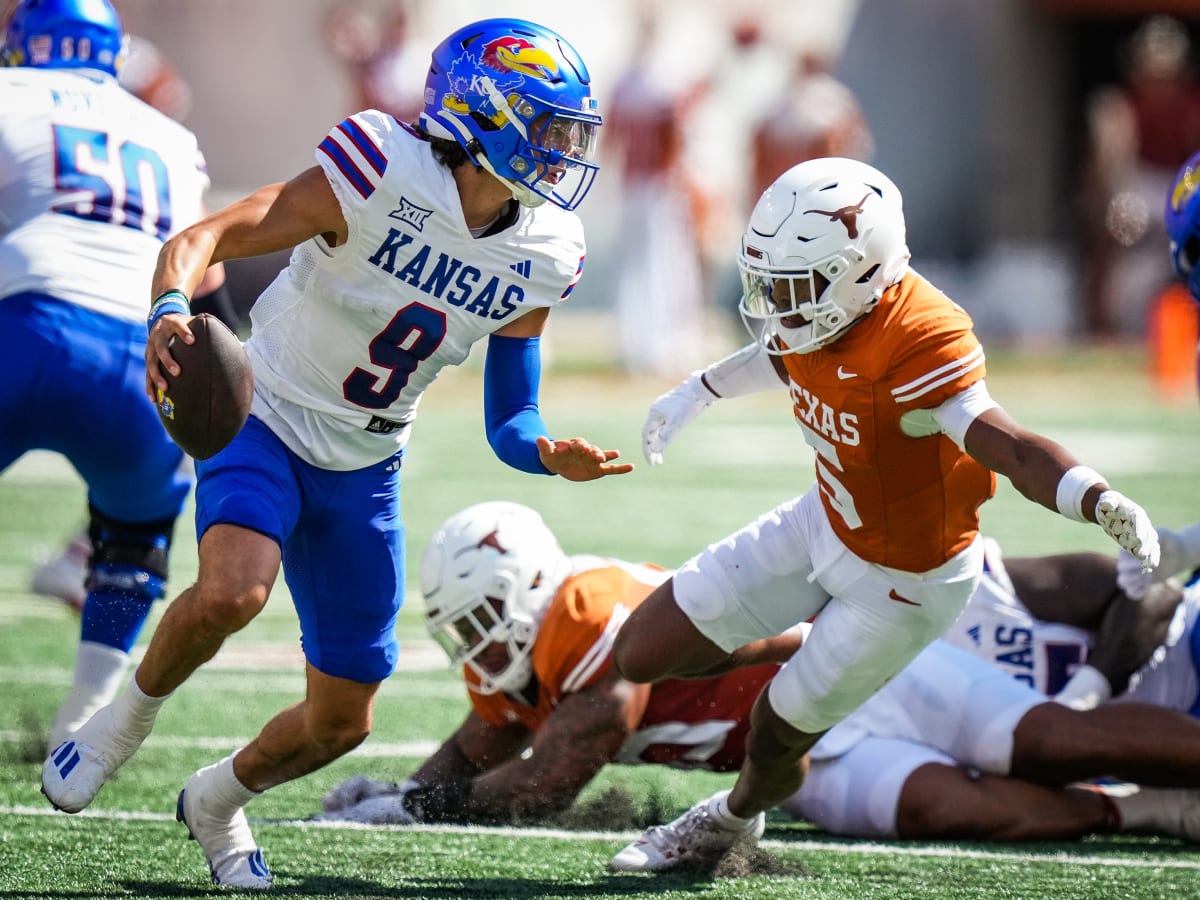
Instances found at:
x=475 y=747
x=515 y=430
x=481 y=775
x=747 y=371
x=1048 y=474
x=579 y=738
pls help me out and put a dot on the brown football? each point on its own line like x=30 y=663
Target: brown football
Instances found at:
x=207 y=403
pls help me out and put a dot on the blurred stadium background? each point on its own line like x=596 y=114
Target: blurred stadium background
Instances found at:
x=979 y=111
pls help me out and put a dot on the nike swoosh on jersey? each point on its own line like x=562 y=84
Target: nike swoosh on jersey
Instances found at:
x=892 y=595
x=843 y=374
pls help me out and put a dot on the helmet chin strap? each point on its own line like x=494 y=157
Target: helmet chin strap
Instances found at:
x=522 y=193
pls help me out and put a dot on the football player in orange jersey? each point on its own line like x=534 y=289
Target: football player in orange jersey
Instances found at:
x=533 y=630
x=886 y=380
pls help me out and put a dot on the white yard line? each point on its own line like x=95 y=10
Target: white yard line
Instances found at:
x=817 y=846
x=408 y=749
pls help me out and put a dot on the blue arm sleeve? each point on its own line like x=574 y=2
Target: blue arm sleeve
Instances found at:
x=510 y=390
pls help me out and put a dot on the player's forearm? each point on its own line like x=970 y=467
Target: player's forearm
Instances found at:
x=1034 y=464
x=447 y=764
x=487 y=800
x=183 y=262
x=523 y=791
x=746 y=371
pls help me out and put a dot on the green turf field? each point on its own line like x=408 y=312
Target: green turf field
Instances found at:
x=736 y=461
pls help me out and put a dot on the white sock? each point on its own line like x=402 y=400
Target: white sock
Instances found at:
x=1140 y=810
x=224 y=795
x=719 y=807
x=99 y=670
x=135 y=710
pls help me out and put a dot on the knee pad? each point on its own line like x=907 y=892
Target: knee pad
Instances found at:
x=128 y=558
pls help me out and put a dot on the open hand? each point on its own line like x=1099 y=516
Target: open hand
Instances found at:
x=579 y=460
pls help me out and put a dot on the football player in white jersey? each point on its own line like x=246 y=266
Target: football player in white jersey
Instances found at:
x=92 y=181
x=411 y=245
x=963 y=743
x=150 y=77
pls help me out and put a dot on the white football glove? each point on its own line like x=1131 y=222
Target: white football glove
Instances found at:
x=1127 y=524
x=356 y=789
x=670 y=412
x=378 y=808
x=1135 y=581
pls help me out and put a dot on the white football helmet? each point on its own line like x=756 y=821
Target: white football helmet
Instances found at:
x=839 y=219
x=488 y=575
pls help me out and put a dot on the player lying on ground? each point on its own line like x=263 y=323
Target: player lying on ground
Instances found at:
x=1182 y=219
x=533 y=629
x=949 y=750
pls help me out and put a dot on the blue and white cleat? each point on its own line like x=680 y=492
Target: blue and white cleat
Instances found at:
x=77 y=768
x=233 y=858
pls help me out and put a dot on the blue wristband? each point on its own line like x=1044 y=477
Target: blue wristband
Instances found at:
x=168 y=302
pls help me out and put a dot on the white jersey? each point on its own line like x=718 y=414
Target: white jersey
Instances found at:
x=346 y=340
x=92 y=181
x=950 y=707
x=997 y=626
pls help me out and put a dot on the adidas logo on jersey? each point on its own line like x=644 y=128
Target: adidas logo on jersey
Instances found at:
x=523 y=268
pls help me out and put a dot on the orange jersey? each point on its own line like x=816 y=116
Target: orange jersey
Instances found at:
x=907 y=502
x=693 y=723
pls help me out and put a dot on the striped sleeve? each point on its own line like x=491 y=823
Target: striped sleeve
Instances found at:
x=597 y=657
x=575 y=280
x=931 y=381
x=353 y=152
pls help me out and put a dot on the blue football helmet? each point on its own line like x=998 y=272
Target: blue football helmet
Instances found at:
x=517 y=97
x=1183 y=223
x=64 y=34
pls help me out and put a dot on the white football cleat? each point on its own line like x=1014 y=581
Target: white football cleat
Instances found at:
x=697 y=839
x=233 y=858
x=61 y=731
x=99 y=672
x=75 y=770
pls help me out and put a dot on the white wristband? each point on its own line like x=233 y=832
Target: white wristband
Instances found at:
x=1087 y=689
x=1075 y=482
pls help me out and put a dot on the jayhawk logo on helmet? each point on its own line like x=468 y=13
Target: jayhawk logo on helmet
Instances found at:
x=517 y=97
x=507 y=61
x=514 y=54
x=1186 y=184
